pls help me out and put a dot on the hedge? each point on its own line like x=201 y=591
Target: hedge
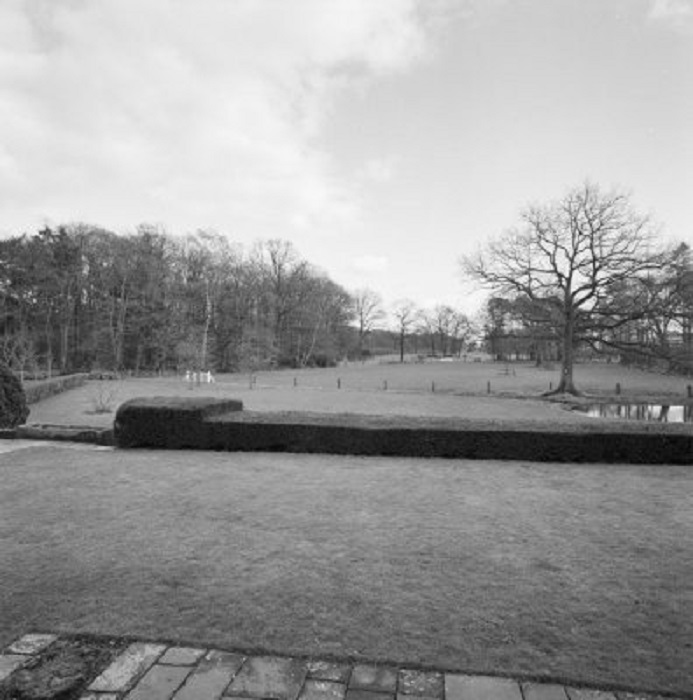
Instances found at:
x=13 y=404
x=220 y=425
x=37 y=391
x=164 y=421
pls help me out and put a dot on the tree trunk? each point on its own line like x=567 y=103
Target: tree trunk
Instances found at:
x=566 y=385
x=314 y=338
x=49 y=346
x=205 y=330
x=64 y=345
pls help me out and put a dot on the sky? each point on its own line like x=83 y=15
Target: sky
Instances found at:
x=383 y=138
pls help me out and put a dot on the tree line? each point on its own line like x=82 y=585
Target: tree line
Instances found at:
x=583 y=273
x=82 y=298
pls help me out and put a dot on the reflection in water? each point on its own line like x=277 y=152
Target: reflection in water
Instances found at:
x=643 y=411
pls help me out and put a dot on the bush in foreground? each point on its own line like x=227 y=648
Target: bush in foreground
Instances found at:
x=13 y=407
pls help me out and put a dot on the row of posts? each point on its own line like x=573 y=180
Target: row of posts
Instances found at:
x=253 y=381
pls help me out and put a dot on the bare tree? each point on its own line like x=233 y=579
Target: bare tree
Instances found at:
x=426 y=326
x=446 y=325
x=405 y=314
x=573 y=255
x=286 y=278
x=460 y=332
x=368 y=310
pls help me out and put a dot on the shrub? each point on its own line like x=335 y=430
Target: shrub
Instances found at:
x=167 y=421
x=13 y=408
x=103 y=399
x=323 y=360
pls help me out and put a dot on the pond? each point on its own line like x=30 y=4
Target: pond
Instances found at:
x=642 y=411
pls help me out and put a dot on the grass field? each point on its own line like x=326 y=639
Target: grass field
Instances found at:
x=576 y=572
x=579 y=572
x=455 y=389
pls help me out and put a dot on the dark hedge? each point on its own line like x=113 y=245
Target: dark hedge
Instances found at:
x=13 y=406
x=165 y=421
x=535 y=446
x=203 y=425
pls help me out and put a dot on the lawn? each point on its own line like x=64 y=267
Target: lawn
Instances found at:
x=579 y=572
x=443 y=389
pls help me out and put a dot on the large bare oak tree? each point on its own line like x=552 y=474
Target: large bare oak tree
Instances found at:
x=574 y=256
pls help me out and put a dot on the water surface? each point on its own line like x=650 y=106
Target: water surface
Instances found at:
x=661 y=413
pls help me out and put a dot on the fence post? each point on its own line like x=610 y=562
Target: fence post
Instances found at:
x=295 y=381
x=339 y=383
x=433 y=387
x=618 y=388
x=488 y=387
x=689 y=389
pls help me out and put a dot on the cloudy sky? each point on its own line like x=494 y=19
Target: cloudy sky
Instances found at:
x=384 y=138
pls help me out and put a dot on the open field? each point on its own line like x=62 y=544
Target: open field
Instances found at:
x=441 y=389
x=579 y=572
x=472 y=378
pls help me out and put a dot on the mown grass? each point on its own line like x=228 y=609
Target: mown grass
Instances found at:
x=442 y=389
x=576 y=572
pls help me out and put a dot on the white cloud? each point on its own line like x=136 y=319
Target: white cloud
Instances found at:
x=678 y=13
x=195 y=114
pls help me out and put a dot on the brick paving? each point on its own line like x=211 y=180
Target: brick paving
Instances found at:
x=153 y=671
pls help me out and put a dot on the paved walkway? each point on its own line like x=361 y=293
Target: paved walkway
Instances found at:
x=153 y=671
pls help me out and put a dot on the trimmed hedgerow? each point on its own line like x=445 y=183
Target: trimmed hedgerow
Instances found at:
x=203 y=425
x=165 y=421
x=461 y=442
x=37 y=391
x=13 y=407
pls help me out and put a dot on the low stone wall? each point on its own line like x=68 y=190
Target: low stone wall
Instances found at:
x=37 y=391
x=65 y=433
x=216 y=424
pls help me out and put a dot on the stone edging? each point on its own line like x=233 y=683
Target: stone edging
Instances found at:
x=140 y=669
x=71 y=433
